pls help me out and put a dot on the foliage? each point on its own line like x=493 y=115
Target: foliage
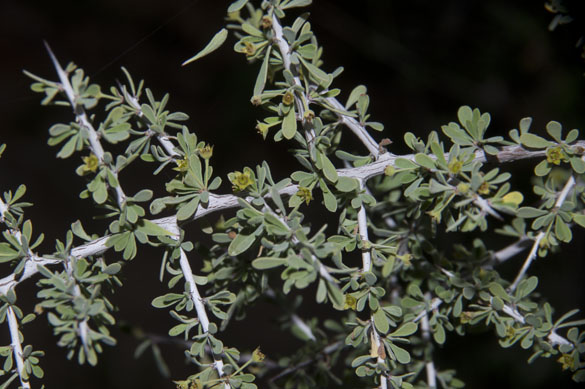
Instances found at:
x=397 y=304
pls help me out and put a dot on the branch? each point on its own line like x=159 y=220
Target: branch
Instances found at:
x=223 y=202
x=17 y=347
x=200 y=309
x=355 y=127
x=533 y=252
x=81 y=117
x=429 y=365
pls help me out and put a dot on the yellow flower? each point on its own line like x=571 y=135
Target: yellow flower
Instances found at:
x=91 y=163
x=262 y=129
x=555 y=155
x=266 y=22
x=256 y=100
x=249 y=49
x=484 y=188
x=567 y=362
x=288 y=98
x=309 y=115
x=466 y=317
x=350 y=302
x=241 y=181
x=305 y=194
x=462 y=188
x=389 y=170
x=206 y=151
x=257 y=356
x=182 y=165
x=510 y=332
x=455 y=166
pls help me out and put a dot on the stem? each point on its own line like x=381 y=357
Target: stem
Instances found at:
x=17 y=347
x=81 y=116
x=355 y=127
x=223 y=202
x=367 y=266
x=429 y=365
x=200 y=309
x=533 y=252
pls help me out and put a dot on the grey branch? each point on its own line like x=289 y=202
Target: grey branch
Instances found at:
x=227 y=201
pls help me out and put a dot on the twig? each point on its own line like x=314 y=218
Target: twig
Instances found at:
x=200 y=309
x=533 y=252
x=81 y=116
x=366 y=267
x=429 y=365
x=355 y=127
x=17 y=347
x=223 y=202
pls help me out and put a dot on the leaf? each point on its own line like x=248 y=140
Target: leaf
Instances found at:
x=289 y=124
x=534 y=141
x=401 y=354
x=562 y=230
x=166 y=300
x=240 y=244
x=526 y=286
x=346 y=184
x=237 y=5
x=261 y=79
x=150 y=228
x=217 y=40
x=328 y=169
x=187 y=210
x=424 y=160
x=554 y=129
x=330 y=201
x=405 y=330
x=577 y=164
x=297 y=3
x=381 y=321
x=498 y=291
x=354 y=95
x=530 y=212
x=515 y=198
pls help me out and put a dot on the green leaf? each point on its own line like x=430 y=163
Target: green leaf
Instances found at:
x=240 y=244
x=213 y=45
x=167 y=300
x=530 y=212
x=328 y=169
x=381 y=321
x=534 y=141
x=405 y=330
x=403 y=163
x=237 y=5
x=562 y=230
x=555 y=129
x=330 y=201
x=577 y=164
x=355 y=95
x=187 y=210
x=425 y=161
x=346 y=184
x=297 y=3
x=319 y=75
x=150 y=228
x=498 y=291
x=261 y=79
x=526 y=286
x=289 y=124
x=401 y=354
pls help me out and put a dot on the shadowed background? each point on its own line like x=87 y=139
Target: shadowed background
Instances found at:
x=420 y=61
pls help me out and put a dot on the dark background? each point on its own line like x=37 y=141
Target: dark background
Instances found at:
x=420 y=60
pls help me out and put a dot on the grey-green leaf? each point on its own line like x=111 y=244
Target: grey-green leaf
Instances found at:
x=213 y=45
